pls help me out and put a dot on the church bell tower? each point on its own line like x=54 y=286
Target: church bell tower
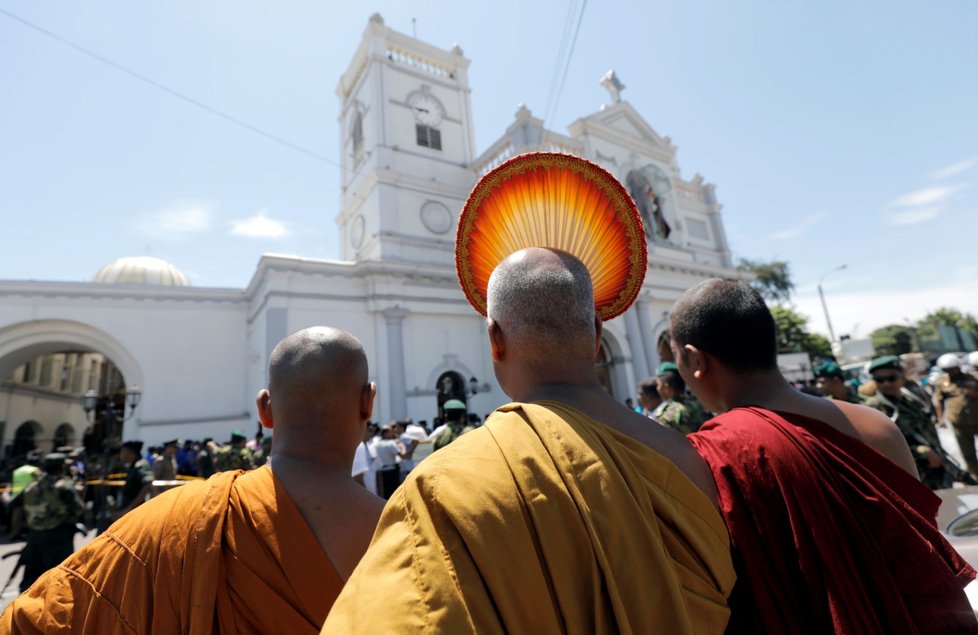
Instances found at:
x=406 y=144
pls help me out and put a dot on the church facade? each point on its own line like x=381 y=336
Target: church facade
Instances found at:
x=408 y=157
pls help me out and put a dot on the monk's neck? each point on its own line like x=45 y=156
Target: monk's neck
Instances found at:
x=298 y=470
x=571 y=393
x=767 y=390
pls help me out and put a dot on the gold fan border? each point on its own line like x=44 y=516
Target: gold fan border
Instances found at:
x=606 y=182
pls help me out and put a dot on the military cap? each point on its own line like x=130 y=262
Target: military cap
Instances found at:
x=55 y=460
x=454 y=404
x=665 y=367
x=238 y=435
x=173 y=442
x=34 y=456
x=948 y=360
x=829 y=369
x=135 y=446
x=888 y=361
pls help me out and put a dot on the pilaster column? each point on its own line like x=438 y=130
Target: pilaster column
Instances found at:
x=636 y=345
x=645 y=326
x=394 y=317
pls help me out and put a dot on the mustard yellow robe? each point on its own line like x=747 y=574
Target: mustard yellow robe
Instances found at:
x=542 y=521
x=229 y=555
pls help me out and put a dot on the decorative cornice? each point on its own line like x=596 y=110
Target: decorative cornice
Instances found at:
x=98 y=291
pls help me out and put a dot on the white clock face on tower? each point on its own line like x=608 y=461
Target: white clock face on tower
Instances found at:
x=427 y=109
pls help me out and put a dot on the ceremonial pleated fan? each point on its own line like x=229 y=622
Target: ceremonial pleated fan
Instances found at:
x=547 y=199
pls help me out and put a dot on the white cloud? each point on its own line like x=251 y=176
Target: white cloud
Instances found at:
x=179 y=218
x=911 y=216
x=955 y=169
x=258 y=226
x=926 y=196
x=800 y=227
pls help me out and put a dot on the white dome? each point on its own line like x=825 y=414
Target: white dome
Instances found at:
x=141 y=270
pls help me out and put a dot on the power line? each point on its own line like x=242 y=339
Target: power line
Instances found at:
x=174 y=93
x=570 y=55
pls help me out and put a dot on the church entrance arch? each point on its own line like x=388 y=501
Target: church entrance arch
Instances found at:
x=450 y=385
x=49 y=365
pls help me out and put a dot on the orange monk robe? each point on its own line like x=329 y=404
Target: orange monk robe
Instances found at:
x=229 y=555
x=542 y=521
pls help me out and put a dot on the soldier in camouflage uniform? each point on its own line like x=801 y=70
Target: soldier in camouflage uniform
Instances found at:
x=678 y=410
x=912 y=415
x=235 y=455
x=831 y=382
x=956 y=401
x=51 y=506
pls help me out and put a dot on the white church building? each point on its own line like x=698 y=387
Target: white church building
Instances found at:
x=199 y=355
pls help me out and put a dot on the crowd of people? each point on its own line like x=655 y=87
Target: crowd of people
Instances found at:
x=564 y=512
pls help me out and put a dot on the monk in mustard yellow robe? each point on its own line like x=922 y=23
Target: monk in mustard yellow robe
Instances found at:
x=542 y=521
x=264 y=551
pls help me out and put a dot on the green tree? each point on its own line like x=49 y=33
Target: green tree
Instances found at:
x=793 y=335
x=772 y=279
x=894 y=339
x=927 y=327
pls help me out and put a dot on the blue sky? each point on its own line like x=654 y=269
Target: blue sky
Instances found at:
x=836 y=132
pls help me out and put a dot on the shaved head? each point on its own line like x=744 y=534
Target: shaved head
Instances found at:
x=543 y=300
x=318 y=363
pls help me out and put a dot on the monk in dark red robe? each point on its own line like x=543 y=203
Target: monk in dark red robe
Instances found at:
x=830 y=527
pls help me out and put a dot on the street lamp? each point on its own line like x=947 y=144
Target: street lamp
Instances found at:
x=473 y=386
x=822 y=296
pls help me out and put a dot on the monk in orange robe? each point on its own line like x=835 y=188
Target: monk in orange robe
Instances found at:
x=566 y=513
x=243 y=552
x=831 y=528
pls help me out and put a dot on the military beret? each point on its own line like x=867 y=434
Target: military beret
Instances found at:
x=454 y=404
x=888 y=361
x=665 y=367
x=55 y=459
x=135 y=446
x=829 y=369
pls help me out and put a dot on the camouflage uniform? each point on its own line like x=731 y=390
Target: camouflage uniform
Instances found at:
x=683 y=413
x=139 y=475
x=851 y=397
x=454 y=431
x=917 y=425
x=961 y=412
x=233 y=457
x=51 y=505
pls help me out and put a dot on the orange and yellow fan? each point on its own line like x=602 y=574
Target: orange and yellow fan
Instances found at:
x=559 y=201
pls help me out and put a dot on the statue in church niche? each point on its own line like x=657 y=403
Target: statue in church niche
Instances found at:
x=648 y=187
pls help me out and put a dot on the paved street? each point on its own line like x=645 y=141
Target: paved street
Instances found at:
x=7 y=565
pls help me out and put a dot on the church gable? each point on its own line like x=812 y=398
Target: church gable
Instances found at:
x=620 y=122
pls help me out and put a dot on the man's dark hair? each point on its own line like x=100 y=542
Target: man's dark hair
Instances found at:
x=729 y=320
x=648 y=387
x=674 y=380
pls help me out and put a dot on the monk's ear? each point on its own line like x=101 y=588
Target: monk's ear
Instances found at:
x=497 y=340
x=367 y=396
x=696 y=361
x=264 y=401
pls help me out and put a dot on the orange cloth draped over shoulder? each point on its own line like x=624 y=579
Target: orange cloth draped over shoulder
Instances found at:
x=542 y=521
x=228 y=555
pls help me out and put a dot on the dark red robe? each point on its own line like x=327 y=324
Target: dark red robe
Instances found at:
x=828 y=534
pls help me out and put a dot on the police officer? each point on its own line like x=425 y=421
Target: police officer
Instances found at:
x=912 y=415
x=139 y=477
x=235 y=455
x=831 y=382
x=678 y=410
x=956 y=402
x=51 y=506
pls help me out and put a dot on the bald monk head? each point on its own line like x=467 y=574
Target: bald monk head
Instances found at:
x=544 y=335
x=541 y=320
x=318 y=403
